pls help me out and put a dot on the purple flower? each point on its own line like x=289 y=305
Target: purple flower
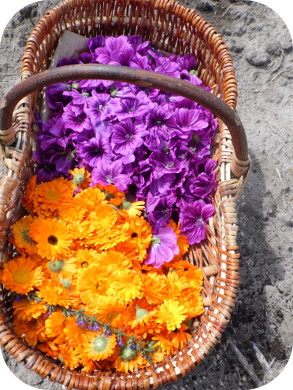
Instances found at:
x=167 y=67
x=161 y=117
x=164 y=162
x=106 y=174
x=95 y=150
x=76 y=119
x=98 y=109
x=94 y=43
x=163 y=247
x=188 y=121
x=193 y=219
x=117 y=51
x=159 y=209
x=132 y=107
x=127 y=136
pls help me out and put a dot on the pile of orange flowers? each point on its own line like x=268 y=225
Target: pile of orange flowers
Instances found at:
x=81 y=291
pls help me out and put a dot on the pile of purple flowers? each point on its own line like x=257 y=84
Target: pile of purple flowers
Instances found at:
x=153 y=145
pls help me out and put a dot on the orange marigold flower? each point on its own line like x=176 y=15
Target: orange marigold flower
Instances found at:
x=50 y=196
x=28 y=197
x=54 y=324
x=81 y=178
x=113 y=196
x=127 y=285
x=53 y=292
x=21 y=275
x=52 y=237
x=180 y=337
x=140 y=233
x=172 y=314
x=114 y=259
x=91 y=198
x=22 y=239
x=92 y=283
x=27 y=310
x=155 y=287
x=32 y=331
x=85 y=257
x=110 y=310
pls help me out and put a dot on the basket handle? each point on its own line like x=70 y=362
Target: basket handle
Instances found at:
x=140 y=77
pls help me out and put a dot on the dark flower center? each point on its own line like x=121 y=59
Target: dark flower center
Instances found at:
x=80 y=118
x=133 y=235
x=52 y=240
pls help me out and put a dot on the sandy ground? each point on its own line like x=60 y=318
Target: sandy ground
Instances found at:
x=261 y=47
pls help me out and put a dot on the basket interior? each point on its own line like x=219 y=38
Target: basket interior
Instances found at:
x=172 y=28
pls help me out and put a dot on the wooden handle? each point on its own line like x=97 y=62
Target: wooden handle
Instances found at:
x=138 y=77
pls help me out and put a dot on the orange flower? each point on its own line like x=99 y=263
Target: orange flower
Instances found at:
x=22 y=240
x=27 y=310
x=52 y=237
x=113 y=196
x=127 y=285
x=21 y=275
x=28 y=197
x=50 y=196
x=154 y=287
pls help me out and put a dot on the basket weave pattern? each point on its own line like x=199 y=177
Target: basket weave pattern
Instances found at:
x=171 y=28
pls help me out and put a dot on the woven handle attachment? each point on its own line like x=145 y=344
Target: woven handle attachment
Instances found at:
x=138 y=77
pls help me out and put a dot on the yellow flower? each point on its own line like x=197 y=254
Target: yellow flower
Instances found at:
x=52 y=237
x=21 y=275
x=22 y=240
x=133 y=208
x=171 y=313
x=81 y=178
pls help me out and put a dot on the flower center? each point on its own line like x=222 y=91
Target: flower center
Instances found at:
x=128 y=354
x=155 y=240
x=79 y=119
x=101 y=107
x=200 y=222
x=21 y=276
x=53 y=195
x=78 y=179
x=52 y=240
x=56 y=266
x=100 y=344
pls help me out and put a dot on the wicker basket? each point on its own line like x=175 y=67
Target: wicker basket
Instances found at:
x=175 y=29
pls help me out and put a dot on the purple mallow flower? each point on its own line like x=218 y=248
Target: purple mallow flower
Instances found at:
x=163 y=247
x=105 y=174
x=127 y=136
x=193 y=219
x=93 y=151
